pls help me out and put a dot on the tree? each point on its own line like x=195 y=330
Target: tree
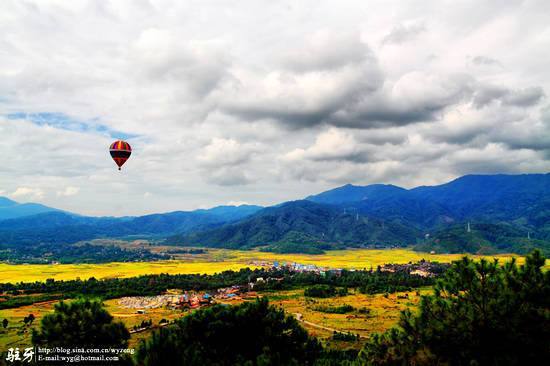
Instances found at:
x=28 y=320
x=82 y=323
x=252 y=333
x=481 y=313
x=5 y=323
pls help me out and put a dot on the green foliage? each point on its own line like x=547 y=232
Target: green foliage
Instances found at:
x=480 y=313
x=484 y=238
x=324 y=291
x=17 y=301
x=335 y=357
x=342 y=309
x=82 y=323
x=28 y=319
x=253 y=333
x=348 y=337
x=39 y=253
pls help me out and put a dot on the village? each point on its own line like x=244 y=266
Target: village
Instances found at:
x=187 y=300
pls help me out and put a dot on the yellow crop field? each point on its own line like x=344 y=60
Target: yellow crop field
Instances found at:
x=217 y=260
x=18 y=335
x=383 y=312
x=41 y=272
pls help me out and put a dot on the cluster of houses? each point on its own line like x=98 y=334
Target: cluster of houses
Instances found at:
x=299 y=267
x=422 y=268
x=236 y=292
x=187 y=299
x=192 y=300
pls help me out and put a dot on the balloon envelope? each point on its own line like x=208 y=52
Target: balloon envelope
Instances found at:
x=120 y=152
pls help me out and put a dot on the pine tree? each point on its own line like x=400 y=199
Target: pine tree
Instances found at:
x=480 y=313
x=80 y=323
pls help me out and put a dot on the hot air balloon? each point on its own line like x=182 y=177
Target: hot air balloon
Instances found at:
x=120 y=152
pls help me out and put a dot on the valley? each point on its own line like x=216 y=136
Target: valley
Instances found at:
x=217 y=260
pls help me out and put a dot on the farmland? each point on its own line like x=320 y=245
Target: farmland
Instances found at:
x=364 y=315
x=17 y=335
x=382 y=313
x=217 y=260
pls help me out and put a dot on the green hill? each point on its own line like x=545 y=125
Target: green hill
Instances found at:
x=294 y=226
x=482 y=238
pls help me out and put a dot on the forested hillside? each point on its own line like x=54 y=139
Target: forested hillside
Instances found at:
x=508 y=213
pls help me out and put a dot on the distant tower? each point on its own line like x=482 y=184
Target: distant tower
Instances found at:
x=529 y=235
x=356 y=217
x=469 y=229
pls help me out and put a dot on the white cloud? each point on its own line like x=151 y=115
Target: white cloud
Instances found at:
x=225 y=152
x=236 y=203
x=28 y=193
x=333 y=144
x=69 y=191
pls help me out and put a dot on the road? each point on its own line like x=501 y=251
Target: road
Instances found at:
x=300 y=318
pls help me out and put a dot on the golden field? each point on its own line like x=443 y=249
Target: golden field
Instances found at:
x=384 y=313
x=16 y=335
x=217 y=260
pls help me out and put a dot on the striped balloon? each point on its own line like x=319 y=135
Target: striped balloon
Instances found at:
x=120 y=152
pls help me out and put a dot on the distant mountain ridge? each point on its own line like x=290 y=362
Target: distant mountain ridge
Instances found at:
x=59 y=227
x=503 y=210
x=10 y=209
x=351 y=193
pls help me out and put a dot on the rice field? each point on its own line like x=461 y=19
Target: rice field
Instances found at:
x=382 y=312
x=18 y=335
x=217 y=260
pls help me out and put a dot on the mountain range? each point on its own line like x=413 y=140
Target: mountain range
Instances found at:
x=10 y=209
x=504 y=212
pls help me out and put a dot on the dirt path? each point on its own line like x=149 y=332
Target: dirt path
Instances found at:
x=139 y=330
x=300 y=318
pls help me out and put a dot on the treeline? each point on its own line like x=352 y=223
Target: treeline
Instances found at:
x=81 y=253
x=325 y=291
x=149 y=285
x=17 y=301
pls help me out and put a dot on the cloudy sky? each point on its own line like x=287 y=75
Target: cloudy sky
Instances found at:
x=265 y=101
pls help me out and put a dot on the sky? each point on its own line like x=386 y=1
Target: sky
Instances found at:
x=261 y=102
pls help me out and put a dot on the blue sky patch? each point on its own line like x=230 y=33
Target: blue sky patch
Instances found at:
x=62 y=121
